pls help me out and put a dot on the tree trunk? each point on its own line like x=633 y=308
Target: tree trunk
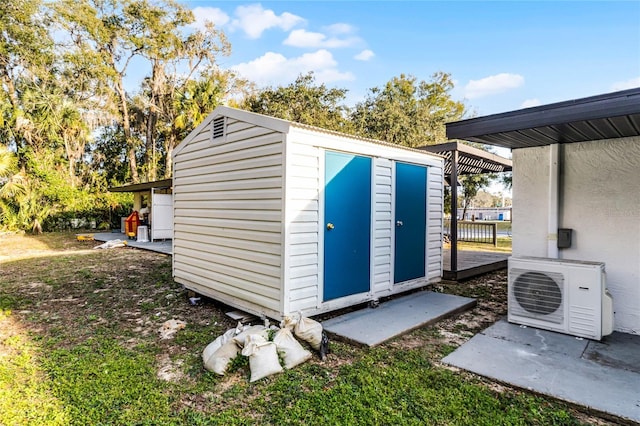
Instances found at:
x=157 y=83
x=169 y=145
x=126 y=127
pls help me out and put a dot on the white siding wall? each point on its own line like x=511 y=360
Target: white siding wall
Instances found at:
x=302 y=226
x=435 y=200
x=249 y=215
x=600 y=201
x=382 y=279
x=304 y=185
x=228 y=215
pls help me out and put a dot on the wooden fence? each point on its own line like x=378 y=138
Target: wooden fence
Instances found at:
x=474 y=231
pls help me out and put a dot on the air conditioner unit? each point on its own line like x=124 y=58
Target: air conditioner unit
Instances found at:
x=566 y=296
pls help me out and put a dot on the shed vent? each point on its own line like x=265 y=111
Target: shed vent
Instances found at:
x=218 y=128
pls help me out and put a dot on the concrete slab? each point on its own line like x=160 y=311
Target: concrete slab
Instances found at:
x=538 y=340
x=373 y=326
x=618 y=350
x=163 y=246
x=536 y=360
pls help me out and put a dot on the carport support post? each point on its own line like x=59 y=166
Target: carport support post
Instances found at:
x=454 y=212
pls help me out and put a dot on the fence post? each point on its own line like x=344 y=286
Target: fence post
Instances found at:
x=495 y=234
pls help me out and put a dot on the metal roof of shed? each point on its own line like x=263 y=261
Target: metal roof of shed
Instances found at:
x=607 y=116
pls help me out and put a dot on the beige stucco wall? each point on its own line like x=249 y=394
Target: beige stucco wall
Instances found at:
x=600 y=200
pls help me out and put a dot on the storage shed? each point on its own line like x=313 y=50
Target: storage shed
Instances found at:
x=275 y=217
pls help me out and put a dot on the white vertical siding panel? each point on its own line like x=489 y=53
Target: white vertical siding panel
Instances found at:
x=435 y=207
x=382 y=281
x=303 y=215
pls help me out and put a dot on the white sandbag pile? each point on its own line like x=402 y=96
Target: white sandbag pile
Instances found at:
x=266 y=347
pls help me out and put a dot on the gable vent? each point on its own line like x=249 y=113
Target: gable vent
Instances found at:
x=218 y=128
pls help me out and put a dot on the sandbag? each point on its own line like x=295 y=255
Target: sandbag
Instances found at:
x=289 y=322
x=221 y=358
x=290 y=349
x=310 y=331
x=260 y=330
x=263 y=357
x=212 y=347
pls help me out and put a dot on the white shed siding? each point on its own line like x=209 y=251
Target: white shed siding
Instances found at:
x=599 y=200
x=435 y=200
x=249 y=214
x=303 y=276
x=302 y=219
x=228 y=215
x=382 y=280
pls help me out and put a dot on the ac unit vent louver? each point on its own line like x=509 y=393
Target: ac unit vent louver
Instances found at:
x=218 y=128
x=539 y=293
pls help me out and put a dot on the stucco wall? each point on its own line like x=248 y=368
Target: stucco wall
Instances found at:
x=600 y=200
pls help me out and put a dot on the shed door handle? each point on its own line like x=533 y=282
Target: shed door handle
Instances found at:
x=330 y=226
x=399 y=223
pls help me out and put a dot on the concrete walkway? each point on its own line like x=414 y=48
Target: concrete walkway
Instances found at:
x=163 y=246
x=373 y=326
x=604 y=376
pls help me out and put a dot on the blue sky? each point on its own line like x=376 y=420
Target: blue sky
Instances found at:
x=502 y=55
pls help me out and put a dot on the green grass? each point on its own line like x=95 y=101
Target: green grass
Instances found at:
x=79 y=346
x=503 y=246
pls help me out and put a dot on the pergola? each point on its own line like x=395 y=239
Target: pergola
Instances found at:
x=462 y=159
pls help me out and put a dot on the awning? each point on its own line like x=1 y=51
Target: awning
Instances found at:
x=138 y=187
x=608 y=116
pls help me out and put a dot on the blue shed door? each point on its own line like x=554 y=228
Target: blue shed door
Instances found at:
x=411 y=223
x=347 y=230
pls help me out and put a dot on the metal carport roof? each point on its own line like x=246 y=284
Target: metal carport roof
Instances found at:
x=607 y=116
x=138 y=187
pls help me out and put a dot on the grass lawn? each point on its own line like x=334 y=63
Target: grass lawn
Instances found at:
x=504 y=246
x=79 y=346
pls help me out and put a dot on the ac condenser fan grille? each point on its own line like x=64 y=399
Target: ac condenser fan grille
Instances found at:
x=538 y=295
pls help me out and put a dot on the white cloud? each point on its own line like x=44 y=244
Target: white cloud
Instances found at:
x=365 y=55
x=623 y=85
x=304 y=38
x=254 y=20
x=210 y=14
x=275 y=69
x=530 y=103
x=492 y=85
x=340 y=28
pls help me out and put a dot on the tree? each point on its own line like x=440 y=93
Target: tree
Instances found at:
x=101 y=32
x=507 y=180
x=26 y=61
x=191 y=102
x=111 y=34
x=471 y=184
x=303 y=101
x=176 y=59
x=407 y=111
